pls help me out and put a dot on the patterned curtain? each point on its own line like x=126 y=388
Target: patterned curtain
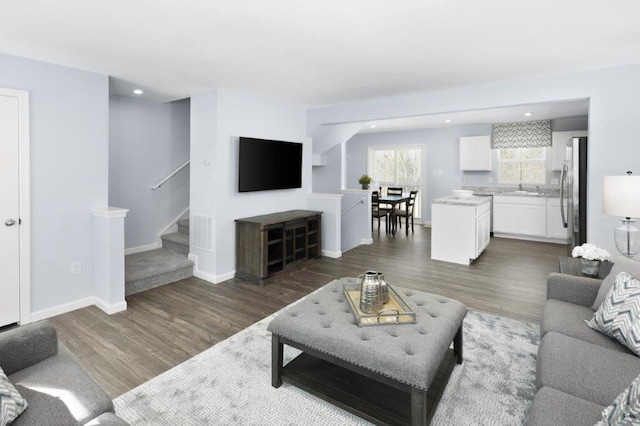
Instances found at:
x=525 y=134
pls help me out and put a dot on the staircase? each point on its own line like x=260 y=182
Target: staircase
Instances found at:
x=153 y=268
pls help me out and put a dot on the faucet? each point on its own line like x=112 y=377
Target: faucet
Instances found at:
x=520 y=186
x=537 y=189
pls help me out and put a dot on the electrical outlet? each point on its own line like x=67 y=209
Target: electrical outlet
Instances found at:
x=76 y=268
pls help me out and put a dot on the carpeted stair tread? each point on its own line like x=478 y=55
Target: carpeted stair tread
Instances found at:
x=177 y=242
x=183 y=222
x=152 y=263
x=176 y=237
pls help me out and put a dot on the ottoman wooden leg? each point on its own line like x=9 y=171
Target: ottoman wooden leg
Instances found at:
x=418 y=407
x=276 y=361
x=457 y=345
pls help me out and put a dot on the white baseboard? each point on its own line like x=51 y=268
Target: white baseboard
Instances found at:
x=213 y=279
x=332 y=254
x=426 y=224
x=531 y=238
x=225 y=277
x=140 y=249
x=78 y=304
x=111 y=309
x=62 y=309
x=367 y=241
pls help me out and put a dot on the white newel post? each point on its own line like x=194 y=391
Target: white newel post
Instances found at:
x=108 y=255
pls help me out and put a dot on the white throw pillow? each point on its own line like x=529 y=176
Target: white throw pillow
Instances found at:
x=11 y=403
x=622 y=264
x=625 y=409
x=619 y=314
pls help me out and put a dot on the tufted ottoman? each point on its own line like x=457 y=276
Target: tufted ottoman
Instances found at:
x=381 y=373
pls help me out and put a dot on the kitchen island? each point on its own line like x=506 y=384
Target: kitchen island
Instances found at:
x=459 y=228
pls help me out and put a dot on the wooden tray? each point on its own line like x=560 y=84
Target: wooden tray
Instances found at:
x=395 y=311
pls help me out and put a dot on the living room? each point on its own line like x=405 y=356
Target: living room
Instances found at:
x=69 y=173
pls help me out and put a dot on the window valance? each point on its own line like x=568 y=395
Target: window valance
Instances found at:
x=525 y=134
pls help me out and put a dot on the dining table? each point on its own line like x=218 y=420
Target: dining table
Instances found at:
x=393 y=201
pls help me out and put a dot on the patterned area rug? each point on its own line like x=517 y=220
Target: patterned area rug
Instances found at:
x=230 y=383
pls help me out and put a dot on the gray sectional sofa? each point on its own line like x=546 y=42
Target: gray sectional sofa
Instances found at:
x=579 y=370
x=57 y=389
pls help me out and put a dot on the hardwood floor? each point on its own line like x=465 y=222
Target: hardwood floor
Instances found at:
x=165 y=326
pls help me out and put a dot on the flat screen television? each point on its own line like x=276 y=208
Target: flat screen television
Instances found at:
x=267 y=164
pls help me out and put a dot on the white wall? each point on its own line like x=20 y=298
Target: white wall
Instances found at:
x=218 y=118
x=69 y=118
x=613 y=111
x=147 y=141
x=327 y=178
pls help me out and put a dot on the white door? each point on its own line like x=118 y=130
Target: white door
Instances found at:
x=9 y=210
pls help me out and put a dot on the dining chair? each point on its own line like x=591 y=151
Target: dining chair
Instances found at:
x=407 y=212
x=396 y=191
x=378 y=212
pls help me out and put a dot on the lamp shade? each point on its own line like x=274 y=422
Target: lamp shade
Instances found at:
x=621 y=196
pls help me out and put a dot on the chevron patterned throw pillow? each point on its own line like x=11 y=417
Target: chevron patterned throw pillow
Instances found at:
x=619 y=314
x=11 y=403
x=625 y=409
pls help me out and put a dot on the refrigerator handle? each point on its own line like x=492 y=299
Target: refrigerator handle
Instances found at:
x=563 y=178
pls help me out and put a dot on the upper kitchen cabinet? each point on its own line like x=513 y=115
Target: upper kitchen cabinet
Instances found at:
x=475 y=153
x=559 y=145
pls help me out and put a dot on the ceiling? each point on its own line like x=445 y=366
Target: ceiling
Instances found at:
x=538 y=111
x=322 y=52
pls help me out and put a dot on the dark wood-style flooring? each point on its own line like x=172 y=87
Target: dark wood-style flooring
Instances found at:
x=165 y=326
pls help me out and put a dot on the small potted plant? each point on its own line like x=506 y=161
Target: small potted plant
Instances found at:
x=590 y=257
x=364 y=180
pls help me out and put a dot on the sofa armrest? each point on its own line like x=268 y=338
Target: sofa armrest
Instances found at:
x=27 y=345
x=572 y=289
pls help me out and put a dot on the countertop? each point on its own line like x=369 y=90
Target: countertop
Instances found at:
x=545 y=192
x=470 y=201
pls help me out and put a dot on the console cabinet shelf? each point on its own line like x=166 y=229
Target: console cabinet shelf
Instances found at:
x=268 y=244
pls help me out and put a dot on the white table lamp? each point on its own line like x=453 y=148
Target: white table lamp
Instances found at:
x=621 y=197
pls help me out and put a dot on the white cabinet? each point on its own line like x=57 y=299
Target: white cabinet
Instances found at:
x=559 y=146
x=555 y=226
x=520 y=216
x=483 y=231
x=475 y=153
x=459 y=233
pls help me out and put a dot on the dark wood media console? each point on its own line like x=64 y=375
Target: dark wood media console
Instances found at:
x=268 y=244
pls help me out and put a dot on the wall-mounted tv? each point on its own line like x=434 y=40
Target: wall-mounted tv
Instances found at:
x=267 y=164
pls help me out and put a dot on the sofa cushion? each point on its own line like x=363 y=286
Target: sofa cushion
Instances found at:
x=583 y=369
x=552 y=407
x=619 y=314
x=622 y=264
x=568 y=318
x=625 y=409
x=62 y=378
x=12 y=404
x=44 y=409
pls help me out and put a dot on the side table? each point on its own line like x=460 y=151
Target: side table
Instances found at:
x=571 y=266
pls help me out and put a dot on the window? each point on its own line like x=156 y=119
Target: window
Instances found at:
x=397 y=166
x=521 y=165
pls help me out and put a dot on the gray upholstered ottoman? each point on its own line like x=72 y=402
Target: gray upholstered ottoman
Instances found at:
x=381 y=373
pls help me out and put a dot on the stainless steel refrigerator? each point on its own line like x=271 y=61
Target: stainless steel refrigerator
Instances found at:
x=573 y=194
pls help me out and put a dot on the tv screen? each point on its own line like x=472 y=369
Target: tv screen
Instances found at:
x=266 y=164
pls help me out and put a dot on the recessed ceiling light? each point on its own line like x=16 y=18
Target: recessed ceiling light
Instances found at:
x=447 y=121
x=138 y=91
x=528 y=114
x=373 y=126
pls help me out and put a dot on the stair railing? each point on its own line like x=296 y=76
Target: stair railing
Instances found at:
x=360 y=201
x=170 y=175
